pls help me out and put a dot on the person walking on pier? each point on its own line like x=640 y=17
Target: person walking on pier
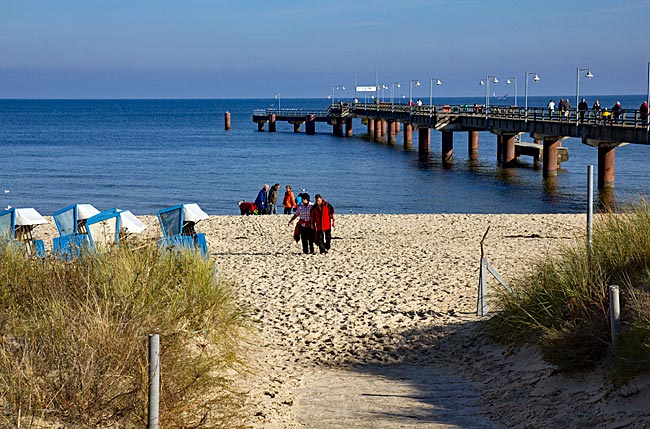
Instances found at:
x=289 y=201
x=616 y=112
x=304 y=224
x=643 y=112
x=582 y=109
x=551 y=108
x=596 y=107
x=322 y=220
x=567 y=107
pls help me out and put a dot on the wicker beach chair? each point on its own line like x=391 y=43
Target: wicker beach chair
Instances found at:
x=178 y=228
x=73 y=237
x=16 y=226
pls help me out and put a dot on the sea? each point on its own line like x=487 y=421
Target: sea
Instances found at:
x=146 y=155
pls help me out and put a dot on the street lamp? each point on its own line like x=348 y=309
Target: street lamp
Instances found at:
x=392 y=91
x=383 y=87
x=438 y=83
x=508 y=82
x=487 y=90
x=334 y=89
x=535 y=79
x=277 y=97
x=588 y=75
x=411 y=83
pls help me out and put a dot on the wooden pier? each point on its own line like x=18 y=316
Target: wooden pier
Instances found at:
x=548 y=128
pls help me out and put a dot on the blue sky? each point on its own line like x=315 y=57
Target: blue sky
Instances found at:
x=255 y=49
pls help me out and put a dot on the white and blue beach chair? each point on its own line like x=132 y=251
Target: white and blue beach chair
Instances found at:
x=177 y=224
x=104 y=229
x=16 y=226
x=73 y=234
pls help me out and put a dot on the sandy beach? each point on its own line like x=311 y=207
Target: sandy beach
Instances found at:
x=382 y=331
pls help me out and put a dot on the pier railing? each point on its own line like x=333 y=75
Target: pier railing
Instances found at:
x=298 y=113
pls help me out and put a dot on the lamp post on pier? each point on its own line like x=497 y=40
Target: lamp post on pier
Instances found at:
x=277 y=97
x=383 y=87
x=508 y=82
x=487 y=90
x=411 y=83
x=535 y=79
x=392 y=91
x=438 y=83
x=334 y=89
x=588 y=75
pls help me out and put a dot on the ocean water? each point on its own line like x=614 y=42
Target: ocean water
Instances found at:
x=145 y=155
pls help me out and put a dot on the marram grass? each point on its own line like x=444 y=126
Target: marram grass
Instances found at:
x=563 y=304
x=73 y=340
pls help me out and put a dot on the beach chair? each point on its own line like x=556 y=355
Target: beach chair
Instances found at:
x=73 y=235
x=104 y=229
x=16 y=226
x=177 y=224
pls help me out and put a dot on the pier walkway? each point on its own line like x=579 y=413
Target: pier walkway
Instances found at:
x=599 y=129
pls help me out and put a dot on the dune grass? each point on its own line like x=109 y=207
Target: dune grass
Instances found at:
x=73 y=340
x=563 y=305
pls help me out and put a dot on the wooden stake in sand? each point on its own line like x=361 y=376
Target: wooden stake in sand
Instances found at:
x=481 y=304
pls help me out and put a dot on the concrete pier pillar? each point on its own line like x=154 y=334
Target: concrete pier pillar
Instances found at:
x=499 y=149
x=549 y=154
x=509 y=150
x=408 y=135
x=310 y=125
x=226 y=118
x=383 y=127
x=371 y=127
x=447 y=147
x=424 y=139
x=260 y=126
x=391 y=132
x=272 y=122
x=337 y=127
x=378 y=133
x=472 y=144
x=348 y=127
x=398 y=127
x=605 y=167
x=296 y=127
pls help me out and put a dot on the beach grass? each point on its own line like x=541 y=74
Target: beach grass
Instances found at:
x=74 y=334
x=562 y=305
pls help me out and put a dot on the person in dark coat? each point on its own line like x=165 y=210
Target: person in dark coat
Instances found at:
x=582 y=108
x=273 y=198
x=617 y=110
x=643 y=112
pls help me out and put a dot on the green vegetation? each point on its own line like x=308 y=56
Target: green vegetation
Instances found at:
x=563 y=306
x=73 y=340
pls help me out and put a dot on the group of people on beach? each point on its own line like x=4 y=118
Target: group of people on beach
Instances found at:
x=315 y=220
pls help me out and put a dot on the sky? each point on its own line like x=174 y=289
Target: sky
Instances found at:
x=257 y=49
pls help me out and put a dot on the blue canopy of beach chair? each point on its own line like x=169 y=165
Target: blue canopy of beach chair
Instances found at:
x=177 y=224
x=16 y=226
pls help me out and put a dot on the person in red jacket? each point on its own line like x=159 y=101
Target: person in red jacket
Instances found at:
x=322 y=220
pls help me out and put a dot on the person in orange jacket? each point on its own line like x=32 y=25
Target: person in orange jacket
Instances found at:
x=289 y=201
x=322 y=220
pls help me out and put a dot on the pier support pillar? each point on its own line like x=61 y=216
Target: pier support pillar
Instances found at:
x=605 y=167
x=398 y=127
x=424 y=139
x=337 y=127
x=408 y=135
x=260 y=126
x=383 y=127
x=272 y=123
x=391 y=132
x=378 y=130
x=472 y=144
x=549 y=154
x=371 y=127
x=310 y=125
x=226 y=118
x=296 y=127
x=508 y=150
x=348 y=127
x=447 y=147
x=499 y=149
